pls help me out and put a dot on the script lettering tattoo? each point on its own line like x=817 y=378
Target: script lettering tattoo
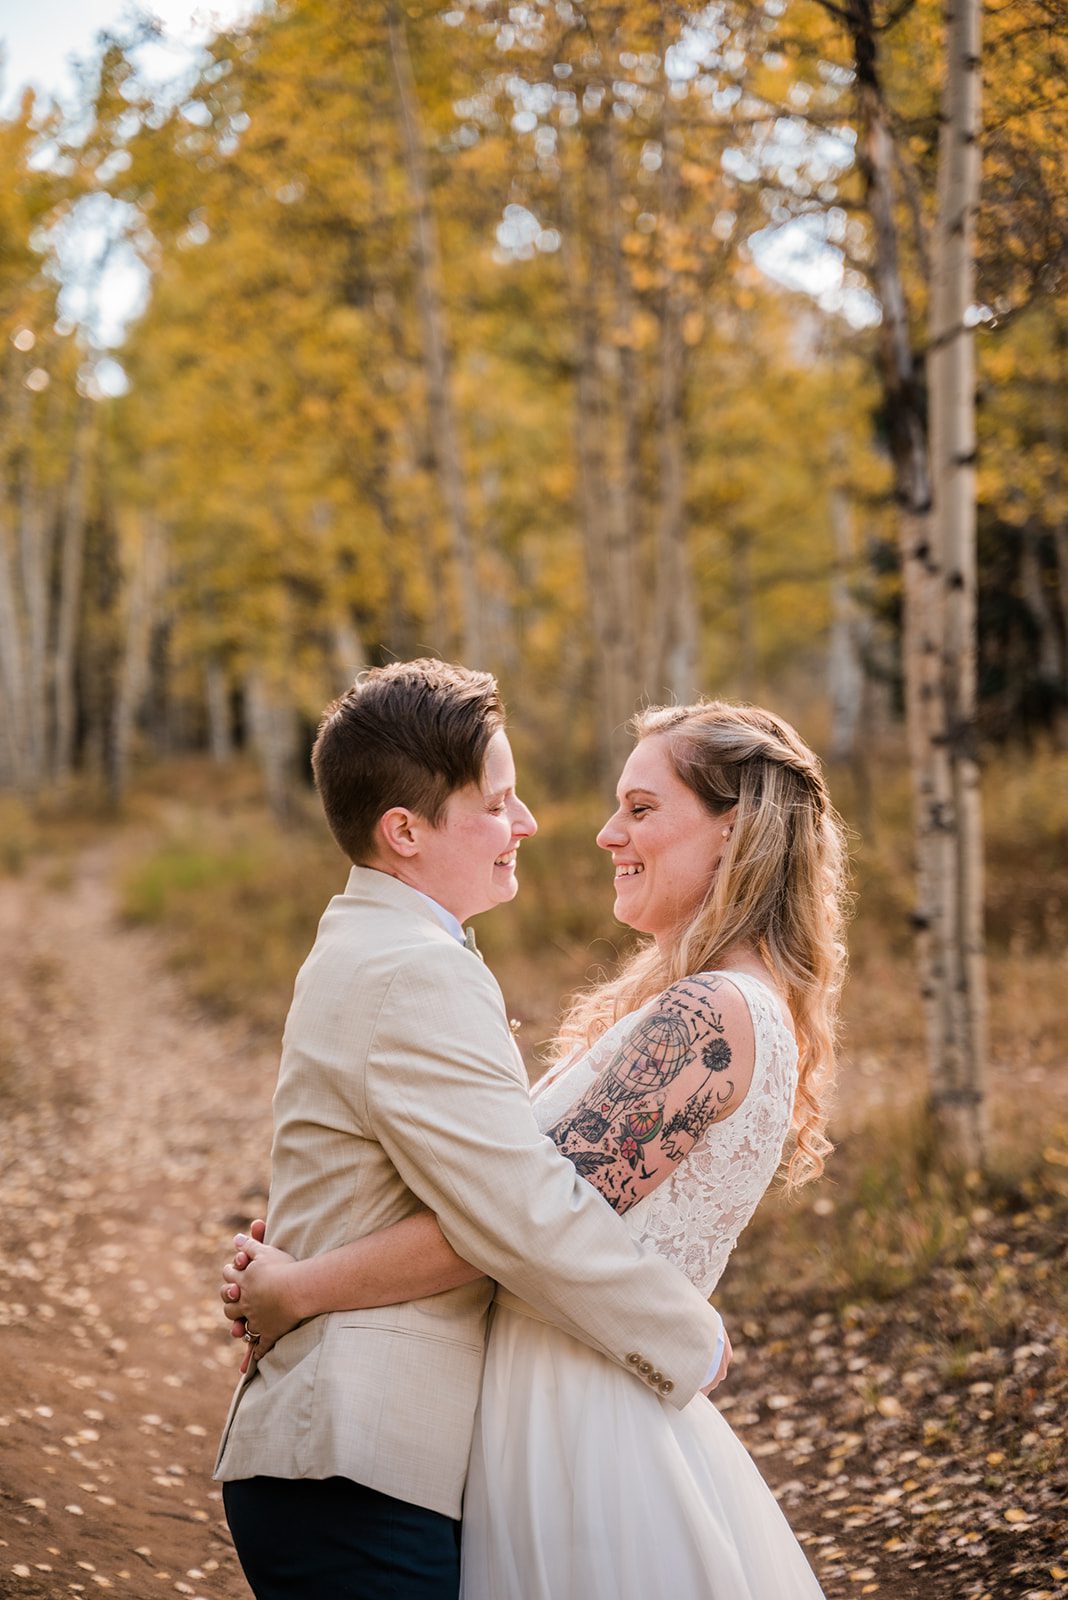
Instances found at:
x=617 y=1133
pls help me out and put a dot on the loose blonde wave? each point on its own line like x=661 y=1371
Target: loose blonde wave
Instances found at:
x=779 y=889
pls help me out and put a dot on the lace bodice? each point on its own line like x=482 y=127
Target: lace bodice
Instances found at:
x=696 y=1216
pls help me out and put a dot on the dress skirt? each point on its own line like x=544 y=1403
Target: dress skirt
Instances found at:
x=584 y=1485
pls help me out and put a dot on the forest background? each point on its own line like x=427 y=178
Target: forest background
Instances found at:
x=559 y=339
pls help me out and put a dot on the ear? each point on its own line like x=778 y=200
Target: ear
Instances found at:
x=729 y=818
x=397 y=832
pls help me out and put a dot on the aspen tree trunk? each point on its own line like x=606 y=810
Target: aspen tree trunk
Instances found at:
x=744 y=599
x=676 y=614
x=1056 y=431
x=958 y=1088
x=217 y=704
x=1049 y=654
x=11 y=669
x=612 y=647
x=589 y=439
x=350 y=657
x=620 y=378
x=72 y=562
x=143 y=595
x=1061 y=548
x=273 y=730
x=443 y=430
x=35 y=540
x=12 y=660
x=613 y=368
x=391 y=461
x=845 y=669
x=921 y=563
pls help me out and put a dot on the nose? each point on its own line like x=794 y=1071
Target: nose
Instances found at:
x=523 y=823
x=613 y=836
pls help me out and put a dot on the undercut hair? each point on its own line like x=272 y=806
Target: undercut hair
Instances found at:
x=409 y=735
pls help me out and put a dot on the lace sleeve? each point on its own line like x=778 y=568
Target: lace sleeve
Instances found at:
x=696 y=1217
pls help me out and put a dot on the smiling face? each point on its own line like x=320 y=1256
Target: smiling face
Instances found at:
x=664 y=842
x=467 y=863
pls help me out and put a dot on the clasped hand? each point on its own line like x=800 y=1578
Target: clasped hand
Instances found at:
x=257 y=1294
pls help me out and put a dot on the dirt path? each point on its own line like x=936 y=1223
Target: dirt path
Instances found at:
x=120 y=1178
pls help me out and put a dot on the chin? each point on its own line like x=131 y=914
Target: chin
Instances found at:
x=633 y=921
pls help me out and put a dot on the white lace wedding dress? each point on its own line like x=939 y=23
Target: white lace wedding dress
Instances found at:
x=583 y=1484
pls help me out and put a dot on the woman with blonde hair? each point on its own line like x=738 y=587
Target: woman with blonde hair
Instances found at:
x=674 y=1088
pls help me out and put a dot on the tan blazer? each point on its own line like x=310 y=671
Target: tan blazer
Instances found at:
x=400 y=1085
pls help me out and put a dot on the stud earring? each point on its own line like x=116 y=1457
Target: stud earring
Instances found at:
x=726 y=833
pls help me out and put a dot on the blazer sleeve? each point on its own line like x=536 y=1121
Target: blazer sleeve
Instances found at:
x=449 y=1107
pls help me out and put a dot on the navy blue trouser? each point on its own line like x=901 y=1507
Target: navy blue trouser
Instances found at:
x=331 y=1539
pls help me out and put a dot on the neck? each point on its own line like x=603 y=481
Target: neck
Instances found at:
x=413 y=880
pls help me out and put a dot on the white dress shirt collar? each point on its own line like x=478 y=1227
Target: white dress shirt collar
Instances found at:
x=450 y=923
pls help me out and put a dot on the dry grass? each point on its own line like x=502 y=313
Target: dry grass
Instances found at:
x=54 y=827
x=240 y=902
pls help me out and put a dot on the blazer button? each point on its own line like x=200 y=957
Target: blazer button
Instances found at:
x=633 y=1360
x=657 y=1377
x=667 y=1386
x=645 y=1368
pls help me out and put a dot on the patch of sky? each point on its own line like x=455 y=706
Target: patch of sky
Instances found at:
x=698 y=47
x=520 y=236
x=99 y=247
x=740 y=164
x=803 y=254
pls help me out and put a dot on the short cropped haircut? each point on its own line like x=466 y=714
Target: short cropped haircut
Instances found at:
x=410 y=735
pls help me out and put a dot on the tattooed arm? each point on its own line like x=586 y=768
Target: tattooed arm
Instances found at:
x=686 y=1064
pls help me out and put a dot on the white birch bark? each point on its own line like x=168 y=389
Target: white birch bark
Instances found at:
x=609 y=591
x=143 y=590
x=12 y=659
x=217 y=705
x=676 y=611
x=443 y=430
x=746 y=666
x=272 y=726
x=72 y=561
x=921 y=564
x=35 y=538
x=621 y=385
x=350 y=657
x=845 y=669
x=1049 y=664
x=958 y=1089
